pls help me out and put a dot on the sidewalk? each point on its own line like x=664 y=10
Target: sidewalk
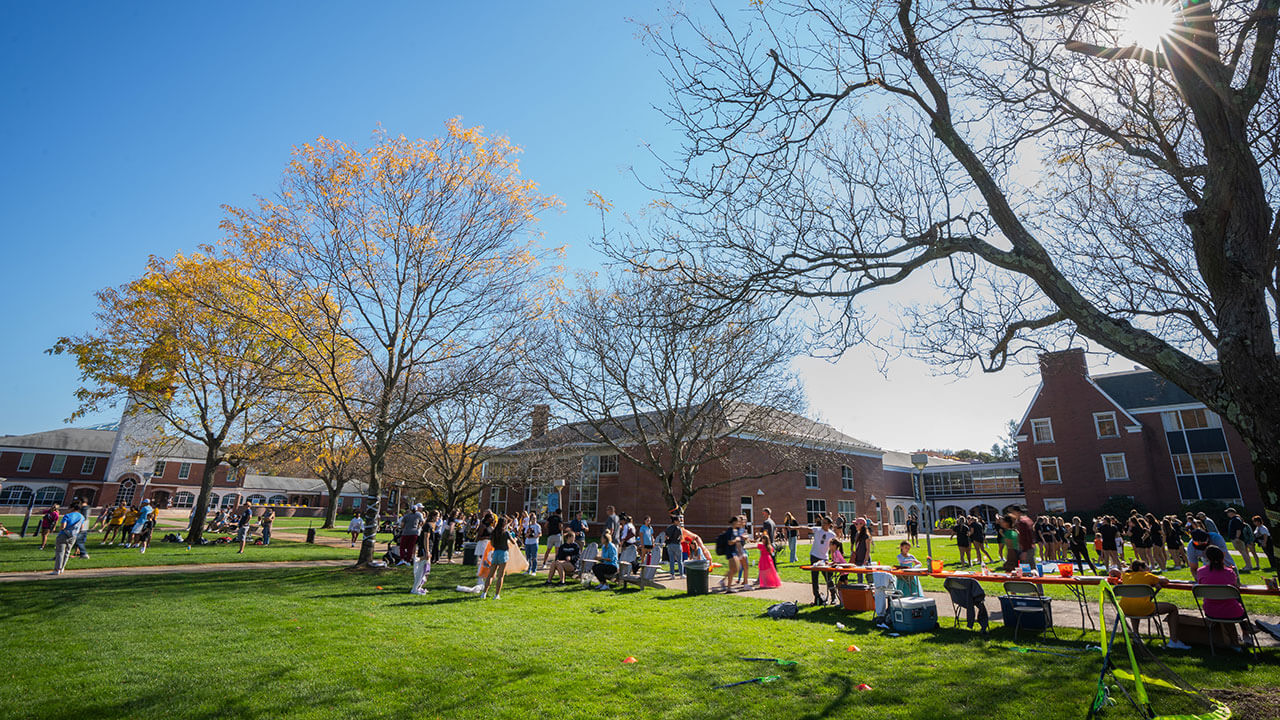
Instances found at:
x=160 y=569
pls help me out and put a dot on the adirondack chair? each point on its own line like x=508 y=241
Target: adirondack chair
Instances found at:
x=586 y=560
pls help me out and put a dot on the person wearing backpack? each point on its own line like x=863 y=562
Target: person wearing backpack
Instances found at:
x=1241 y=537
x=727 y=547
x=72 y=524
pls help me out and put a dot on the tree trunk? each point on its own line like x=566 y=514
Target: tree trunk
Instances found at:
x=195 y=531
x=374 y=499
x=331 y=512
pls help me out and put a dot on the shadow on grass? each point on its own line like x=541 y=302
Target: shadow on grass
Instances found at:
x=846 y=689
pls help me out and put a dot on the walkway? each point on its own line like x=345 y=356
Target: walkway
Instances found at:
x=160 y=569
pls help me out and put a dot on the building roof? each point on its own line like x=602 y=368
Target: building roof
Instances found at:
x=1140 y=389
x=893 y=458
x=274 y=483
x=71 y=440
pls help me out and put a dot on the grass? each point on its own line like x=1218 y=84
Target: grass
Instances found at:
x=323 y=643
x=945 y=549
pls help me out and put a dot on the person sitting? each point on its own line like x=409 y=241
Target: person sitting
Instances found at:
x=606 y=566
x=1218 y=572
x=908 y=585
x=566 y=561
x=1139 y=574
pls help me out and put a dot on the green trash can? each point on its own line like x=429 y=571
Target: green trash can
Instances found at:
x=696 y=576
x=311 y=536
x=469 y=553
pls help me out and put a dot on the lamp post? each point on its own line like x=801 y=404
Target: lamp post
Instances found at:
x=558 y=484
x=920 y=460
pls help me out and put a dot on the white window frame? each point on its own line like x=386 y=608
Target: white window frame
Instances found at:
x=1107 y=458
x=499 y=507
x=846 y=478
x=809 y=509
x=184 y=471
x=811 y=477
x=257 y=499
x=1055 y=505
x=184 y=499
x=128 y=489
x=26 y=461
x=1099 y=417
x=1042 y=463
x=609 y=464
x=88 y=466
x=277 y=500
x=58 y=464
x=848 y=509
x=158 y=470
x=1035 y=435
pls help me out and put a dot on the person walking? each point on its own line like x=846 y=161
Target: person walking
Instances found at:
x=1078 y=544
x=727 y=547
x=148 y=526
x=793 y=533
x=72 y=523
x=532 y=532
x=242 y=527
x=47 y=523
x=410 y=526
x=355 y=527
x=111 y=535
x=268 y=518
x=1240 y=533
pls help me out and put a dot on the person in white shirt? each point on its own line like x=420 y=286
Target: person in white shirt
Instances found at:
x=818 y=550
x=355 y=527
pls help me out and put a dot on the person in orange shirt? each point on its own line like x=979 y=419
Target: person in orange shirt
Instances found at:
x=1139 y=574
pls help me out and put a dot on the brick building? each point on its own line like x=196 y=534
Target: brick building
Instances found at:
x=1085 y=439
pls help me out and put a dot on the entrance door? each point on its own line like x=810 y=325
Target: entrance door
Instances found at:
x=160 y=499
x=745 y=509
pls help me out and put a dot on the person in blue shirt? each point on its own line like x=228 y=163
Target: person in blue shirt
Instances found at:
x=71 y=525
x=135 y=533
x=646 y=540
x=606 y=566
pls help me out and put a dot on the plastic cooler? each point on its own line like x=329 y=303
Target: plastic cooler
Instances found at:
x=913 y=614
x=857 y=597
x=1030 y=621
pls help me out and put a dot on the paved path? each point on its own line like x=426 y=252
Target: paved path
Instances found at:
x=160 y=569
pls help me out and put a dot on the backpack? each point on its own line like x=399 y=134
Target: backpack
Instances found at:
x=782 y=611
x=722 y=542
x=1246 y=534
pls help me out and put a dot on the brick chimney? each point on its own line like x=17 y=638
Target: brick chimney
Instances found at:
x=540 y=415
x=1064 y=364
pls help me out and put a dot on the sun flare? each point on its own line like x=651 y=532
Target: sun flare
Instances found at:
x=1146 y=23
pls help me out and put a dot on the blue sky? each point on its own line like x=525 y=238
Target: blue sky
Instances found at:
x=130 y=124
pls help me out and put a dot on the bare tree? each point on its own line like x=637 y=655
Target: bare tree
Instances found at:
x=670 y=386
x=1048 y=174
x=417 y=260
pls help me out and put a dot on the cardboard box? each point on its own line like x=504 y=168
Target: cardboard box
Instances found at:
x=1193 y=630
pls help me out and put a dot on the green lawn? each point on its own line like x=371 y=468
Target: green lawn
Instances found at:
x=25 y=554
x=328 y=643
x=945 y=549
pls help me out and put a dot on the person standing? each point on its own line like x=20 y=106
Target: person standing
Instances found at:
x=1078 y=544
x=355 y=527
x=72 y=523
x=500 y=539
x=674 y=538
x=410 y=526
x=1109 y=556
x=268 y=518
x=242 y=527
x=818 y=549
x=110 y=537
x=611 y=521
x=913 y=529
x=47 y=522
x=140 y=524
x=532 y=532
x=1240 y=534
x=767 y=572
x=767 y=525
x=148 y=526
x=793 y=533
x=961 y=529
x=1026 y=536
x=727 y=547
x=554 y=534
x=1262 y=536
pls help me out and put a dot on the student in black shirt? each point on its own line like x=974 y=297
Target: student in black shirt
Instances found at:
x=554 y=536
x=566 y=562
x=962 y=539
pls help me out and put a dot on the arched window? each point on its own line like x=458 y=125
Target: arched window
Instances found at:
x=184 y=499
x=257 y=499
x=15 y=495
x=125 y=495
x=213 y=501
x=49 y=495
x=279 y=500
x=229 y=500
x=899 y=515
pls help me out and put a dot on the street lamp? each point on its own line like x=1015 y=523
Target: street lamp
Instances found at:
x=920 y=460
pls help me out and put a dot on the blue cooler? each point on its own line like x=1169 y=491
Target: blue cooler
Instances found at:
x=1030 y=621
x=913 y=614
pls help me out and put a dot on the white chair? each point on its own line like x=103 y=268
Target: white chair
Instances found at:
x=647 y=576
x=586 y=560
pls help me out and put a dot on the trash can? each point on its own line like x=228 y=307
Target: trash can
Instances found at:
x=311 y=535
x=469 y=553
x=696 y=574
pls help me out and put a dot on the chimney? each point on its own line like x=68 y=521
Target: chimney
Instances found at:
x=1064 y=364
x=540 y=415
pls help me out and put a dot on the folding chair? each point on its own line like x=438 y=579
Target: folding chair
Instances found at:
x=1225 y=592
x=1024 y=589
x=1142 y=592
x=967 y=594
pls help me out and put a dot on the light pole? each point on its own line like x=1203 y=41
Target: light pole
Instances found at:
x=920 y=460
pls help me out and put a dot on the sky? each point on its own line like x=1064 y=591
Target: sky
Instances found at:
x=130 y=125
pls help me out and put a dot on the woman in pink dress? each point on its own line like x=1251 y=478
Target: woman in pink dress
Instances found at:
x=767 y=572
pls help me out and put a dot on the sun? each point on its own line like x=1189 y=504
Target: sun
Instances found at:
x=1146 y=23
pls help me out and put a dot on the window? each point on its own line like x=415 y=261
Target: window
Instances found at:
x=1042 y=431
x=125 y=495
x=213 y=501
x=846 y=477
x=584 y=492
x=278 y=500
x=848 y=509
x=26 y=461
x=49 y=495
x=59 y=462
x=1105 y=424
x=257 y=499
x=498 y=500
x=184 y=471
x=184 y=499
x=1056 y=505
x=15 y=495
x=814 y=510
x=1114 y=466
x=231 y=499
x=158 y=471
x=1192 y=419
x=745 y=508
x=811 y=477
x=899 y=515
x=1049 y=470
x=1206 y=463
x=87 y=467
x=608 y=464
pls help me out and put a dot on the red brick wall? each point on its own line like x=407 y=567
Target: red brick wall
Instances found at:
x=40 y=469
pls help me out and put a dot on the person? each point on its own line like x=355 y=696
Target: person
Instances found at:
x=268 y=518
x=114 y=525
x=1009 y=540
x=410 y=526
x=626 y=533
x=1201 y=541
x=47 y=523
x=1171 y=530
x=793 y=533
x=143 y=537
x=646 y=541
x=862 y=545
x=978 y=540
x=961 y=530
x=839 y=523
x=767 y=526
x=500 y=539
x=565 y=562
x=578 y=525
x=1218 y=572
x=1158 y=558
x=81 y=550
x=606 y=565
x=674 y=539
x=818 y=549
x=355 y=527
x=434 y=526
x=767 y=572
x=743 y=532
x=1109 y=556
x=1077 y=543
x=242 y=527
x=612 y=521
x=140 y=524
x=532 y=532
x=72 y=523
x=1240 y=534
x=446 y=536
x=1139 y=574
x=104 y=515
x=1026 y=536
x=554 y=535
x=1208 y=523
x=1262 y=536
x=727 y=547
